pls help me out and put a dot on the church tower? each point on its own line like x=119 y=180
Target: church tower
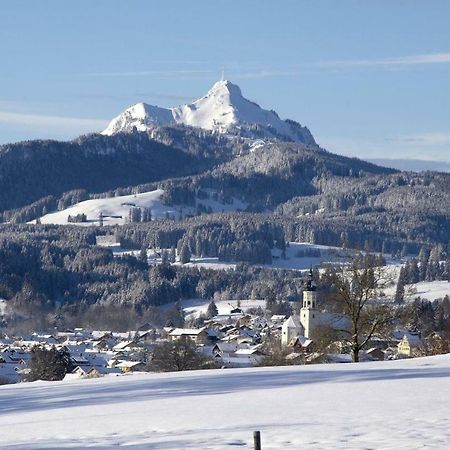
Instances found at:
x=309 y=314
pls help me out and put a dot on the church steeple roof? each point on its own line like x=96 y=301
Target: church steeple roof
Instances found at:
x=310 y=285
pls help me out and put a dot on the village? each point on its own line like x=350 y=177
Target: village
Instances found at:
x=233 y=339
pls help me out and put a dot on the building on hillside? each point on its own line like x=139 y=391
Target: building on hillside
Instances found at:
x=199 y=336
x=410 y=345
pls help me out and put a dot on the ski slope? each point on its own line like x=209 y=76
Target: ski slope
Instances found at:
x=383 y=405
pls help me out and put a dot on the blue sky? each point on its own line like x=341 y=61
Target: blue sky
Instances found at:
x=370 y=79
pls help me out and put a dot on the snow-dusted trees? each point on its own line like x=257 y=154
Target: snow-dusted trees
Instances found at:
x=178 y=355
x=48 y=364
x=212 y=310
x=184 y=252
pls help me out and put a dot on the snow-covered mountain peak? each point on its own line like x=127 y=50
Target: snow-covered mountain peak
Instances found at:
x=223 y=109
x=225 y=88
x=141 y=117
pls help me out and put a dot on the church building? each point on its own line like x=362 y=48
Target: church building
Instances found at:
x=303 y=326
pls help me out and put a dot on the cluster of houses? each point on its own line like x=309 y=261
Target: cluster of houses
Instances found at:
x=235 y=339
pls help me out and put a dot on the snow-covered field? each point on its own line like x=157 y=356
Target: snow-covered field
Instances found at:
x=429 y=290
x=116 y=209
x=383 y=405
x=112 y=206
x=328 y=255
x=198 y=306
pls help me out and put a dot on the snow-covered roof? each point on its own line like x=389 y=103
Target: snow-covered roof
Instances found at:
x=292 y=322
x=187 y=331
x=247 y=351
x=226 y=347
x=278 y=317
x=334 y=320
x=414 y=340
x=123 y=345
x=302 y=340
x=128 y=364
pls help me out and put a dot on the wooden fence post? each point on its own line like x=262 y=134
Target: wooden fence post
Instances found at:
x=257 y=440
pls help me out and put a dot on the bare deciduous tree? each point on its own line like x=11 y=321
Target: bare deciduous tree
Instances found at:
x=357 y=290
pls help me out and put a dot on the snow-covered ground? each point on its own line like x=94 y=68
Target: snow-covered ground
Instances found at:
x=298 y=257
x=430 y=290
x=198 y=306
x=119 y=207
x=295 y=259
x=116 y=209
x=328 y=255
x=383 y=405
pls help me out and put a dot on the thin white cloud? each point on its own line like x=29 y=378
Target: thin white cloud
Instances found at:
x=37 y=121
x=263 y=74
x=243 y=71
x=157 y=73
x=426 y=146
x=430 y=58
x=432 y=139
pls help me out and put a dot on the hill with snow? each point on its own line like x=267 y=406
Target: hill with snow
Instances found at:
x=115 y=210
x=383 y=405
x=223 y=109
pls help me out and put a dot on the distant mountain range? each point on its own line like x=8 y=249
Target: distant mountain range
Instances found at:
x=413 y=165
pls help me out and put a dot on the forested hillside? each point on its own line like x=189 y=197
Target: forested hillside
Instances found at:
x=314 y=195
x=53 y=275
x=291 y=192
x=34 y=170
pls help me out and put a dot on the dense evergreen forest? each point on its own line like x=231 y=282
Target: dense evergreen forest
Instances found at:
x=48 y=273
x=291 y=192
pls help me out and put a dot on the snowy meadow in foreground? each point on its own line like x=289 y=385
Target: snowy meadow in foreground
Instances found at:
x=388 y=405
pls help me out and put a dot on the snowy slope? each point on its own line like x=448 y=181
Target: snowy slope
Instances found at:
x=112 y=206
x=141 y=116
x=116 y=209
x=430 y=290
x=384 y=405
x=220 y=110
x=196 y=307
